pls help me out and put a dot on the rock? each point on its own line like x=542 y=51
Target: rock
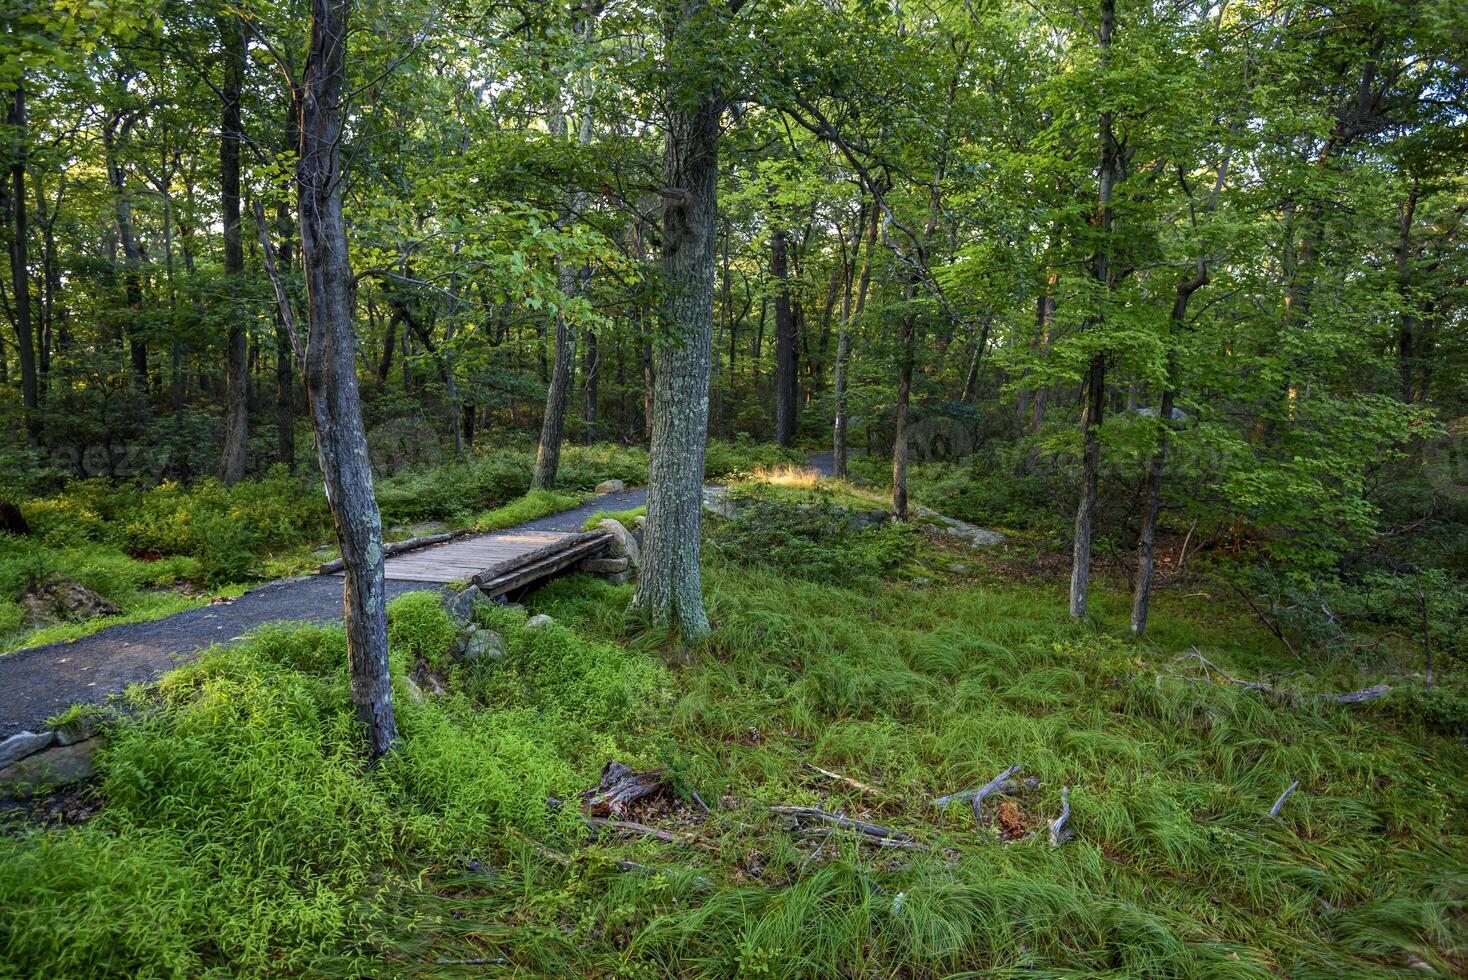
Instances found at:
x=60 y=600
x=415 y=693
x=482 y=644
x=977 y=536
x=537 y=621
x=1149 y=411
x=720 y=500
x=959 y=568
x=463 y=607
x=860 y=520
x=610 y=486
x=58 y=766
x=617 y=578
x=77 y=731
x=602 y=566
x=624 y=545
x=23 y=744
x=426 y=528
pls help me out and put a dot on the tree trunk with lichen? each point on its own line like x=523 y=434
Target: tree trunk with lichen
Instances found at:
x=331 y=374
x=669 y=586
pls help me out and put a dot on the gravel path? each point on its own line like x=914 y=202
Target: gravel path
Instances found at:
x=41 y=681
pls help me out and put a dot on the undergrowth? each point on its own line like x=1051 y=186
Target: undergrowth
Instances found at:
x=242 y=833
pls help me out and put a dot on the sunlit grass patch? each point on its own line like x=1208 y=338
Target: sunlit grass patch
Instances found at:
x=535 y=504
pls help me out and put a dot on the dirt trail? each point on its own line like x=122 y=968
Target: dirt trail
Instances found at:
x=39 y=682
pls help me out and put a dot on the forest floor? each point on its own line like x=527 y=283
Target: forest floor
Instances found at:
x=232 y=827
x=43 y=681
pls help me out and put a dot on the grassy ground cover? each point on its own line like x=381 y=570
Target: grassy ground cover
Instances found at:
x=158 y=550
x=240 y=833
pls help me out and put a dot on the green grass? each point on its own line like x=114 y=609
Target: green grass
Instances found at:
x=242 y=835
x=537 y=503
x=148 y=606
x=624 y=517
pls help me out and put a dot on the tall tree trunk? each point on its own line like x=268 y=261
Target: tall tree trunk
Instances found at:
x=1080 y=569
x=1147 y=538
x=235 y=456
x=331 y=373
x=905 y=358
x=591 y=365
x=558 y=392
x=787 y=391
x=132 y=254
x=849 y=315
x=669 y=587
x=285 y=341
x=14 y=207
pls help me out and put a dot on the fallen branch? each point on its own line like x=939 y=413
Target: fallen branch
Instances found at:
x=632 y=827
x=1270 y=624
x=1356 y=697
x=847 y=781
x=1351 y=697
x=989 y=788
x=910 y=845
x=1279 y=803
x=845 y=823
x=1058 y=833
x=1007 y=787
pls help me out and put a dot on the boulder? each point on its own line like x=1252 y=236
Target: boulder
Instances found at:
x=624 y=545
x=720 y=501
x=979 y=537
x=23 y=744
x=61 y=765
x=538 y=621
x=77 y=731
x=463 y=607
x=610 y=486
x=481 y=644
x=860 y=520
x=617 y=578
x=62 y=600
x=603 y=566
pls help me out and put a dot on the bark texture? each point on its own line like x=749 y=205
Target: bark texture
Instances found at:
x=331 y=375
x=234 y=457
x=13 y=203
x=1080 y=569
x=669 y=586
x=787 y=388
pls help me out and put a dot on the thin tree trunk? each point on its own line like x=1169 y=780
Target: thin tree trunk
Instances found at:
x=15 y=209
x=669 y=586
x=235 y=456
x=558 y=392
x=331 y=374
x=905 y=358
x=849 y=316
x=1080 y=570
x=591 y=366
x=131 y=253
x=285 y=342
x=787 y=391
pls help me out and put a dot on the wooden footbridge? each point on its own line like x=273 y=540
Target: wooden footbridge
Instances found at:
x=498 y=562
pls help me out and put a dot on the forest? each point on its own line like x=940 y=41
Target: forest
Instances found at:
x=734 y=488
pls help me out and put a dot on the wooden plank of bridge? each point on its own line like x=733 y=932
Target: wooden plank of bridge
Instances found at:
x=462 y=560
x=520 y=571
